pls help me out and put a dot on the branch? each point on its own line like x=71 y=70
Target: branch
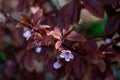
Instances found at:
x=72 y=49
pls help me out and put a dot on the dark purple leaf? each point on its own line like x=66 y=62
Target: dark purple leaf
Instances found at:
x=71 y=12
x=21 y=5
x=10 y=67
x=53 y=19
x=109 y=73
x=92 y=50
x=28 y=62
x=114 y=3
x=112 y=24
x=19 y=56
x=101 y=65
x=95 y=7
x=113 y=56
x=91 y=59
x=79 y=67
x=69 y=67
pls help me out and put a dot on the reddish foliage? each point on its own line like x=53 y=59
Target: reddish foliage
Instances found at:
x=52 y=42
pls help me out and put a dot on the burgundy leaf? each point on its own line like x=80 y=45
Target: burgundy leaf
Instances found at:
x=113 y=56
x=69 y=67
x=28 y=62
x=71 y=12
x=24 y=17
x=91 y=59
x=25 y=20
x=53 y=19
x=114 y=3
x=21 y=5
x=73 y=36
x=37 y=16
x=19 y=25
x=93 y=43
x=95 y=7
x=78 y=67
x=10 y=68
x=112 y=24
x=109 y=73
x=101 y=65
x=92 y=50
x=20 y=55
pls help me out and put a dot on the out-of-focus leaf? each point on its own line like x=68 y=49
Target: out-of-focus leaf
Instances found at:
x=114 y=3
x=2 y=56
x=19 y=56
x=21 y=5
x=113 y=56
x=19 y=25
x=101 y=65
x=69 y=67
x=95 y=7
x=25 y=19
x=53 y=19
x=79 y=67
x=91 y=50
x=91 y=59
x=96 y=28
x=112 y=24
x=71 y=12
x=10 y=68
x=109 y=73
x=73 y=36
x=28 y=62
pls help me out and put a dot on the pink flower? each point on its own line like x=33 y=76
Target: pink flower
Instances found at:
x=57 y=64
x=67 y=54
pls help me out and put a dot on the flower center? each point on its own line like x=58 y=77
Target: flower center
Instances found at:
x=67 y=53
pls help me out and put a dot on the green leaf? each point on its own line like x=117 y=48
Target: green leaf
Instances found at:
x=97 y=28
x=2 y=56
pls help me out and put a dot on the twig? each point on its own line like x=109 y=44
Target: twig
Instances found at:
x=72 y=49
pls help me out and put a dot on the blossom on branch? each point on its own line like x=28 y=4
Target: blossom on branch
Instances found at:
x=67 y=54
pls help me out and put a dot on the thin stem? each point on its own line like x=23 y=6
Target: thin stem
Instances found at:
x=72 y=49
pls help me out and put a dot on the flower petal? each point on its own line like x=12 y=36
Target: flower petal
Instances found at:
x=27 y=35
x=63 y=51
x=62 y=55
x=38 y=49
x=107 y=40
x=67 y=58
x=71 y=56
x=57 y=65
